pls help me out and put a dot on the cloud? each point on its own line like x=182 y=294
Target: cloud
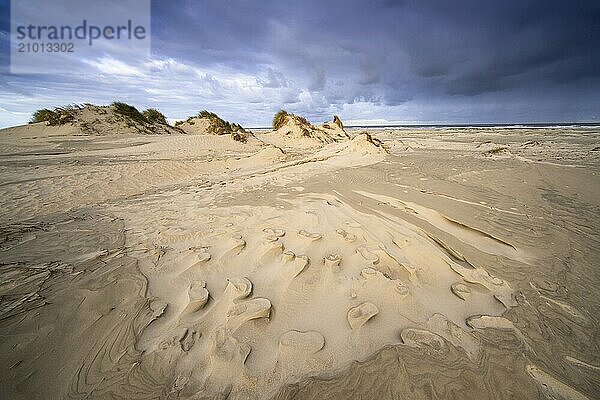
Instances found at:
x=273 y=79
x=111 y=66
x=452 y=60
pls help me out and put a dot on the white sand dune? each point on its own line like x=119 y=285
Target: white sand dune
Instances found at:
x=338 y=264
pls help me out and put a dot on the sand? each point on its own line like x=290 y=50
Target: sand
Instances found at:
x=407 y=263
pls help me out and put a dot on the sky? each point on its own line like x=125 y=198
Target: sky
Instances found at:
x=370 y=62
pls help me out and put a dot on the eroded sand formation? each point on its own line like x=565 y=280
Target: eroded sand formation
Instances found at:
x=393 y=263
x=295 y=130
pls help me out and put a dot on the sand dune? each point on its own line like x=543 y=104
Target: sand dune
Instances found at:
x=296 y=132
x=208 y=123
x=338 y=264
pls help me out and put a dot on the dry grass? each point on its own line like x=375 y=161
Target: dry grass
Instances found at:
x=59 y=116
x=279 y=119
x=128 y=111
x=153 y=116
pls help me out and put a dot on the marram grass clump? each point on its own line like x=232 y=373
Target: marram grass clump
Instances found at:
x=43 y=115
x=153 y=116
x=128 y=111
x=148 y=116
x=218 y=126
x=65 y=114
x=58 y=116
x=281 y=117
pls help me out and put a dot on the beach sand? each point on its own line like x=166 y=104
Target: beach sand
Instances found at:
x=456 y=263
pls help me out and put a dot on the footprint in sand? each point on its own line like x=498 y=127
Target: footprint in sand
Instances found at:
x=368 y=255
x=461 y=290
x=271 y=251
x=188 y=339
x=332 y=262
x=401 y=288
x=274 y=232
x=310 y=235
x=430 y=342
x=199 y=255
x=237 y=288
x=232 y=309
x=238 y=244
x=225 y=349
x=173 y=340
x=497 y=323
x=303 y=343
x=499 y=287
x=347 y=236
x=197 y=297
x=227 y=355
x=376 y=281
x=287 y=256
x=235 y=246
x=292 y=265
x=204 y=256
x=272 y=238
x=245 y=311
x=359 y=315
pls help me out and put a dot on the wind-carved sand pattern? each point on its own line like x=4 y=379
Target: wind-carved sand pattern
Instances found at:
x=272 y=296
x=99 y=293
x=191 y=267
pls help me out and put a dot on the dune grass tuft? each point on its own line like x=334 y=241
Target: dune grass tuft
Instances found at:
x=43 y=115
x=128 y=111
x=218 y=125
x=279 y=119
x=149 y=121
x=153 y=116
x=59 y=116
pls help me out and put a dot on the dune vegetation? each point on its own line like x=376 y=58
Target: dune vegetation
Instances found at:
x=66 y=114
x=281 y=118
x=57 y=116
x=208 y=122
x=152 y=115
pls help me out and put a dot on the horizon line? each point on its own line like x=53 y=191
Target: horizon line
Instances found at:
x=460 y=125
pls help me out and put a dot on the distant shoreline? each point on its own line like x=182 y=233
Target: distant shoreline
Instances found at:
x=475 y=125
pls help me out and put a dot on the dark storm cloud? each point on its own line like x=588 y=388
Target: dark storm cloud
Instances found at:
x=472 y=47
x=464 y=60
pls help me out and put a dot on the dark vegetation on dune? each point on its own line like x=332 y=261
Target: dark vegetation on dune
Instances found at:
x=66 y=114
x=218 y=126
x=129 y=111
x=154 y=116
x=58 y=116
x=282 y=116
x=279 y=119
x=148 y=116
